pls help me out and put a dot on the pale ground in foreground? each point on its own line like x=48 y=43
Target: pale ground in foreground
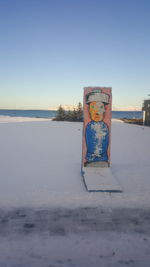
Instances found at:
x=46 y=216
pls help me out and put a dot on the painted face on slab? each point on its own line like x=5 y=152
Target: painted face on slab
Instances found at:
x=96 y=110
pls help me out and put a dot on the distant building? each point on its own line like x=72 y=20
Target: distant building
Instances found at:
x=146 y=112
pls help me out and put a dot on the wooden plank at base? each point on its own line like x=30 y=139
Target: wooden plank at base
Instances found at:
x=100 y=180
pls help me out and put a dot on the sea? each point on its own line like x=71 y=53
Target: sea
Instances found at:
x=52 y=113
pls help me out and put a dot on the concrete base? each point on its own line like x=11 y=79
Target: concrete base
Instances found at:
x=100 y=180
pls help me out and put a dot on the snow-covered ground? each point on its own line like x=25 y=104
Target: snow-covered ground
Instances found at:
x=6 y=119
x=46 y=216
x=40 y=164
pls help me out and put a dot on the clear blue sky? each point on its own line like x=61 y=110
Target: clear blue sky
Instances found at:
x=51 y=49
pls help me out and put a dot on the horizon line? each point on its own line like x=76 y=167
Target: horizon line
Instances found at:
x=55 y=109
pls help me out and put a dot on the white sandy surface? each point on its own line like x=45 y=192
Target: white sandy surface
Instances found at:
x=46 y=216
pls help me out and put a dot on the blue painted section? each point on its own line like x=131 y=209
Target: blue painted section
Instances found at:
x=97 y=139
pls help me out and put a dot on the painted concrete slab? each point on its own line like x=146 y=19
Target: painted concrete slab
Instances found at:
x=100 y=180
x=96 y=170
x=97 y=108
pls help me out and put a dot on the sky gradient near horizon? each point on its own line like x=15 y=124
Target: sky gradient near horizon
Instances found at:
x=51 y=49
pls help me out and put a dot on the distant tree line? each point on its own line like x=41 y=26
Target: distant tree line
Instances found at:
x=71 y=115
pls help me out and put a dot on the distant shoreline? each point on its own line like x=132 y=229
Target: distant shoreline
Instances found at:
x=133 y=121
x=49 y=114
